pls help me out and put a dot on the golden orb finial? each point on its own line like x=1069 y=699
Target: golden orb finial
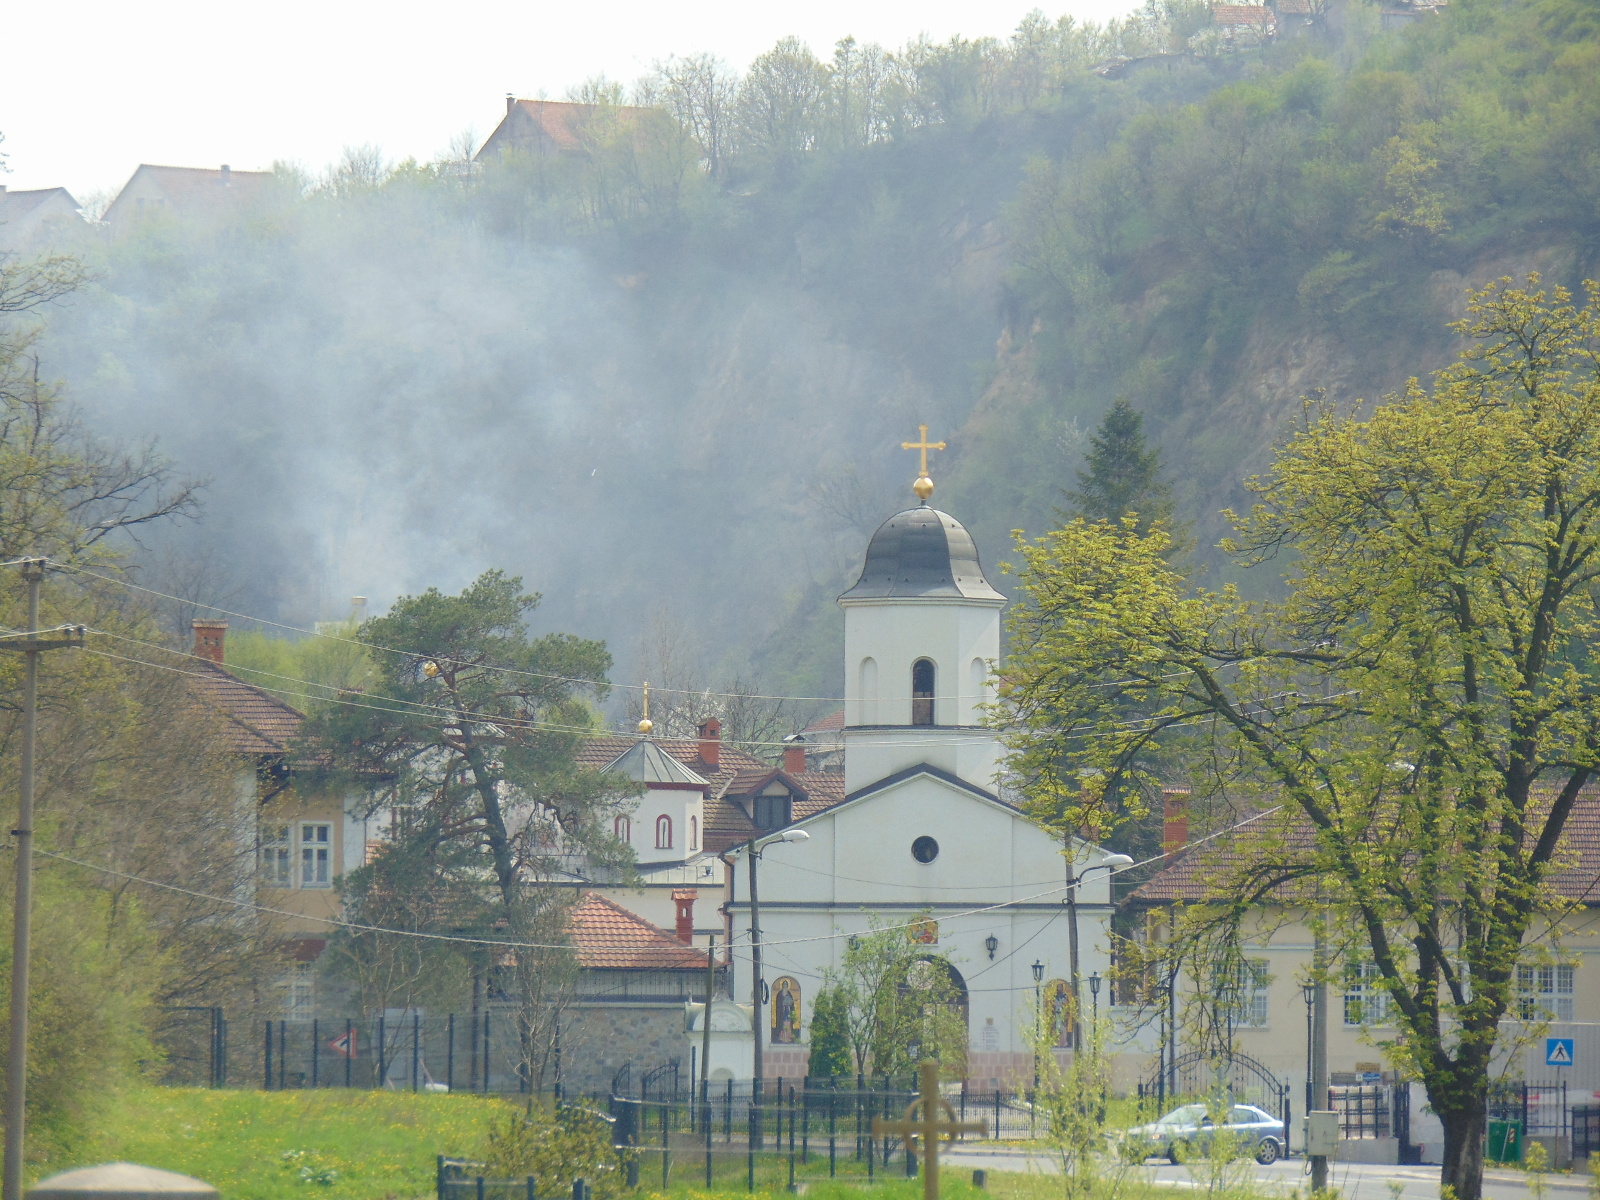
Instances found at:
x=645 y=723
x=923 y=487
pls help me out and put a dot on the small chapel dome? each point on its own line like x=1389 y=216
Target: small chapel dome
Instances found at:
x=922 y=553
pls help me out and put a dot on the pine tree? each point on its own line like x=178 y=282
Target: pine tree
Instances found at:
x=1121 y=475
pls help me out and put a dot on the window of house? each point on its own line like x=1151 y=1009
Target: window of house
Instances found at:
x=1544 y=993
x=1248 y=991
x=694 y=833
x=298 y=989
x=663 y=832
x=277 y=856
x=623 y=828
x=922 y=692
x=1366 y=1001
x=771 y=810
x=316 y=853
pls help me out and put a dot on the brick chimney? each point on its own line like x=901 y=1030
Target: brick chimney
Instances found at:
x=794 y=756
x=511 y=103
x=711 y=742
x=1175 y=820
x=683 y=902
x=208 y=637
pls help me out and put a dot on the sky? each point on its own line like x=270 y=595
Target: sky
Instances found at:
x=93 y=88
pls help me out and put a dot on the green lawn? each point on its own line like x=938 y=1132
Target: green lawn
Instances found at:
x=331 y=1145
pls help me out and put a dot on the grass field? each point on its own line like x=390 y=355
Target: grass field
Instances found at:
x=277 y=1145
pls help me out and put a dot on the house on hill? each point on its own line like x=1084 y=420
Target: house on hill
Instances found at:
x=36 y=216
x=541 y=128
x=188 y=194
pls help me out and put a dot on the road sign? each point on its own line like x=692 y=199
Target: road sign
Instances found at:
x=344 y=1044
x=1558 y=1052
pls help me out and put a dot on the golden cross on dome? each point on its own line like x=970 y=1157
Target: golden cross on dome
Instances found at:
x=923 y=487
x=927 y=1118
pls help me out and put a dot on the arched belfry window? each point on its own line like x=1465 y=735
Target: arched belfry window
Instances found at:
x=922 y=692
x=663 y=832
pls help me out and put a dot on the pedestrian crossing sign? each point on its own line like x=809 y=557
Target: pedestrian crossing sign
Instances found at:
x=1558 y=1052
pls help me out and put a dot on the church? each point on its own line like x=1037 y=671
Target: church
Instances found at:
x=917 y=833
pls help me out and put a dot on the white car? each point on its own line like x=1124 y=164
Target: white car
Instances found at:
x=1254 y=1131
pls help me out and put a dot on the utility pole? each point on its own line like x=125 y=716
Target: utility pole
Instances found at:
x=1072 y=940
x=1319 y=1051
x=705 y=1024
x=755 y=973
x=30 y=645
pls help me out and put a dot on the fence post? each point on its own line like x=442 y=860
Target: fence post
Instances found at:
x=438 y=1177
x=997 y=1114
x=805 y=1120
x=283 y=1055
x=666 y=1151
x=791 y=1135
x=266 y=1061
x=349 y=1048
x=480 y=1187
x=706 y=1121
x=833 y=1126
x=486 y=1054
x=416 y=1050
x=383 y=1055
x=872 y=1140
x=450 y=1058
x=581 y=1190
x=533 y=1192
x=750 y=1146
x=316 y=1050
x=727 y=1114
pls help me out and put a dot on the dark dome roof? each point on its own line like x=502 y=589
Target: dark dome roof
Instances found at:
x=922 y=553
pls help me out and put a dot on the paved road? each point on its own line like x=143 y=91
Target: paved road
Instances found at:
x=1355 y=1181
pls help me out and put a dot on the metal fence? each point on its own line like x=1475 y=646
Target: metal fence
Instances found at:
x=1539 y=1106
x=478 y=1052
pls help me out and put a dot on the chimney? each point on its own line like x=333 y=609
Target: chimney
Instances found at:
x=1175 y=821
x=794 y=755
x=208 y=637
x=227 y=175
x=711 y=743
x=683 y=902
x=511 y=103
x=358 y=609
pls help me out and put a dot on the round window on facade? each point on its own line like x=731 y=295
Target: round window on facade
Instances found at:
x=924 y=849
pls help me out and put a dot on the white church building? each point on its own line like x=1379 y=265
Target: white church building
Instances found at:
x=924 y=825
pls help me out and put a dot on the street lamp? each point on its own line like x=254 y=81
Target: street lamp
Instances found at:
x=1308 y=990
x=1038 y=1020
x=1094 y=995
x=788 y=835
x=1112 y=863
x=991 y=944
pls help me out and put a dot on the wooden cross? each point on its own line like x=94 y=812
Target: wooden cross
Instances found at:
x=924 y=445
x=928 y=1116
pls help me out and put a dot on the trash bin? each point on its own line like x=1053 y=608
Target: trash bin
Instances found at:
x=1505 y=1142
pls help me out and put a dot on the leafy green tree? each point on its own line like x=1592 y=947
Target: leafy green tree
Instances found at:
x=830 y=1035
x=1424 y=703
x=1121 y=474
x=478 y=722
x=898 y=1004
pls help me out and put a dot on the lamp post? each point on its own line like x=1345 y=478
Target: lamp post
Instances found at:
x=788 y=835
x=1159 y=995
x=1112 y=863
x=1094 y=995
x=1038 y=1020
x=1308 y=992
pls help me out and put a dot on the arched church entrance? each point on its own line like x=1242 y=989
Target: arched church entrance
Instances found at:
x=938 y=1010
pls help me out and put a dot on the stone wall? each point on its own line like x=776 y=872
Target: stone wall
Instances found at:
x=598 y=1040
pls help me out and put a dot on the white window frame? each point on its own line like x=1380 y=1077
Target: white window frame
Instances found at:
x=299 y=987
x=277 y=854
x=1365 y=996
x=316 y=853
x=694 y=832
x=622 y=828
x=664 y=823
x=1545 y=992
x=1251 y=992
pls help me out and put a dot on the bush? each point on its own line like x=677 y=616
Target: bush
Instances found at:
x=557 y=1148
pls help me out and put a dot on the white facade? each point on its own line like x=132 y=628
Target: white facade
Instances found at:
x=920 y=767
x=667 y=825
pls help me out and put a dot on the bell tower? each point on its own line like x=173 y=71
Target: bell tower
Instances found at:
x=921 y=635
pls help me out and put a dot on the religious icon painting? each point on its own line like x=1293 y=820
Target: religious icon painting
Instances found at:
x=785 y=1012
x=1058 y=1006
x=923 y=933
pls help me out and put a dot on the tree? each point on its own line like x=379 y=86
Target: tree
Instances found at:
x=478 y=723
x=780 y=105
x=898 y=1004
x=1425 y=701
x=1120 y=475
x=830 y=1036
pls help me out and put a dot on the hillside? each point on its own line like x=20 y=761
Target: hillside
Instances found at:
x=669 y=390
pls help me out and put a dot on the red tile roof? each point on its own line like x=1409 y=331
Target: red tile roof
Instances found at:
x=1281 y=842
x=558 y=124
x=257 y=722
x=832 y=723
x=738 y=774
x=609 y=937
x=1242 y=14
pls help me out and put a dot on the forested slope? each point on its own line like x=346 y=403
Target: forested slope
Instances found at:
x=666 y=380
